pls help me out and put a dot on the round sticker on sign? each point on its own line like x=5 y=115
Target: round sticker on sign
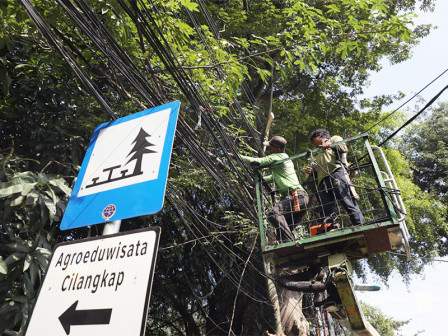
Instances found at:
x=109 y=211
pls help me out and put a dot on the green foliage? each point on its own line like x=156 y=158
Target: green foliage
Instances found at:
x=425 y=146
x=31 y=205
x=425 y=221
x=321 y=53
x=386 y=326
x=426 y=214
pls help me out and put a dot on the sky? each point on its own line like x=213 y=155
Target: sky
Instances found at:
x=429 y=60
x=424 y=300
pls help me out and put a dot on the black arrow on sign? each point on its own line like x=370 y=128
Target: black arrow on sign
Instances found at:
x=83 y=317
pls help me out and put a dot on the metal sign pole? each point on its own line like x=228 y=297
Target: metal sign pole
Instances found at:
x=111 y=227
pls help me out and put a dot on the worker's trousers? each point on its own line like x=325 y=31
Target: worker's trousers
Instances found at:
x=287 y=213
x=336 y=187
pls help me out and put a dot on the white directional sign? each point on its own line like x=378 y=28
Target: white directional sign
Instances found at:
x=125 y=169
x=97 y=286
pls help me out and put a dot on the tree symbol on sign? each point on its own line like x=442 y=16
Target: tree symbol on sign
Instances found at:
x=139 y=149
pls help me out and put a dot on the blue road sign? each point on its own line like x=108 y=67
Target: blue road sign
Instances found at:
x=125 y=168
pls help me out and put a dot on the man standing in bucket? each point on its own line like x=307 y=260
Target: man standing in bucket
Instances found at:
x=332 y=179
x=291 y=208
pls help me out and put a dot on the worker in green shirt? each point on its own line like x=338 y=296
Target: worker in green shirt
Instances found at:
x=291 y=208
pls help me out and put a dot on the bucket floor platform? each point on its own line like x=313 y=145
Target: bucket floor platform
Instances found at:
x=355 y=242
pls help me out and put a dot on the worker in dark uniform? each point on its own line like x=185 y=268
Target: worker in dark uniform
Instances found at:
x=332 y=178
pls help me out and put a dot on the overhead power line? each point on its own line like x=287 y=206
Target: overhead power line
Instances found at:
x=414 y=117
x=407 y=101
x=218 y=139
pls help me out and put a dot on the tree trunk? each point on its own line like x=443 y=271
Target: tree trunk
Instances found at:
x=294 y=322
x=287 y=307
